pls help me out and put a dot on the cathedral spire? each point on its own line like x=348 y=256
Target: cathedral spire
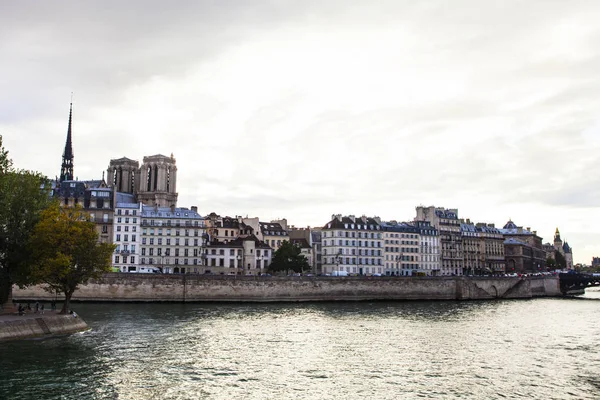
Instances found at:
x=66 y=171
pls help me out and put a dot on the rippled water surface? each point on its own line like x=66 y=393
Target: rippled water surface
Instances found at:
x=541 y=349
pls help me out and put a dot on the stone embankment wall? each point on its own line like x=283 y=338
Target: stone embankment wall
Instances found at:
x=197 y=288
x=24 y=327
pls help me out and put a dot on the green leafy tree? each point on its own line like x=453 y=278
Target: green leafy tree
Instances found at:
x=551 y=263
x=288 y=258
x=23 y=195
x=560 y=260
x=67 y=252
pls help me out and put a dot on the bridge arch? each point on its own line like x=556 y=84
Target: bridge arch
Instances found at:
x=494 y=291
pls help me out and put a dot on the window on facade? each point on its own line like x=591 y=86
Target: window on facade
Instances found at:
x=132 y=259
x=116 y=259
x=118 y=238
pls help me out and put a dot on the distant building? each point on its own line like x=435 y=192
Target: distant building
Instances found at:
x=317 y=245
x=172 y=239
x=96 y=199
x=245 y=255
x=523 y=250
x=226 y=229
x=94 y=196
x=127 y=233
x=401 y=248
x=596 y=262
x=313 y=238
x=429 y=252
x=448 y=225
x=564 y=249
x=305 y=250
x=274 y=233
x=492 y=257
x=353 y=245
x=153 y=184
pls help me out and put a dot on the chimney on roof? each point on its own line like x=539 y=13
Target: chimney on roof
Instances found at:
x=194 y=209
x=352 y=217
x=378 y=220
x=528 y=228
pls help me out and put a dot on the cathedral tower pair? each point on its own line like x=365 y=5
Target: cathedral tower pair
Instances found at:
x=154 y=183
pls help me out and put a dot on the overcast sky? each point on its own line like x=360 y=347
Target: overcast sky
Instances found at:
x=303 y=109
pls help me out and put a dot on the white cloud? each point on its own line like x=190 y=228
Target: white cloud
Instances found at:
x=308 y=108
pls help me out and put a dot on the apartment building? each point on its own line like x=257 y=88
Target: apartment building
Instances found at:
x=353 y=245
x=172 y=239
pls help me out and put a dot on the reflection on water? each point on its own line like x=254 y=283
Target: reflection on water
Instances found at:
x=544 y=349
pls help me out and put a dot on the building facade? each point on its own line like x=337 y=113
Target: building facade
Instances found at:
x=492 y=249
x=523 y=250
x=448 y=225
x=353 y=245
x=564 y=249
x=245 y=255
x=127 y=235
x=429 y=252
x=154 y=183
x=172 y=239
x=401 y=249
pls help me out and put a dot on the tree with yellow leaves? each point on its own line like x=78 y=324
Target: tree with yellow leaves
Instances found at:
x=66 y=251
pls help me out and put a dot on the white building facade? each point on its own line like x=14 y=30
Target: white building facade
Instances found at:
x=172 y=239
x=353 y=245
x=127 y=237
x=401 y=249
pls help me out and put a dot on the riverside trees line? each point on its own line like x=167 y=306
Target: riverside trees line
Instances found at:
x=40 y=242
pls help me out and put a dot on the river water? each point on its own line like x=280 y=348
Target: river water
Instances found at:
x=534 y=349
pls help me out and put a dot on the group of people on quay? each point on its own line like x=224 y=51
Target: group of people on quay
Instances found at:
x=38 y=308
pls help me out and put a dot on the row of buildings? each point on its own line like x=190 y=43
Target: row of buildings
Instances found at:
x=135 y=207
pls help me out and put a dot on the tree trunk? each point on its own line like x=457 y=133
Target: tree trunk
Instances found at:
x=66 y=305
x=8 y=307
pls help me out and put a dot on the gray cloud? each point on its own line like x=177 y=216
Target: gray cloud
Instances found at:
x=307 y=108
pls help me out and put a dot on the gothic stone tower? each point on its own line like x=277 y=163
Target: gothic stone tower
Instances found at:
x=66 y=170
x=558 y=243
x=123 y=175
x=156 y=185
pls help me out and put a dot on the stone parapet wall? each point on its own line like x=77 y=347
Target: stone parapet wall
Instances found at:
x=125 y=287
